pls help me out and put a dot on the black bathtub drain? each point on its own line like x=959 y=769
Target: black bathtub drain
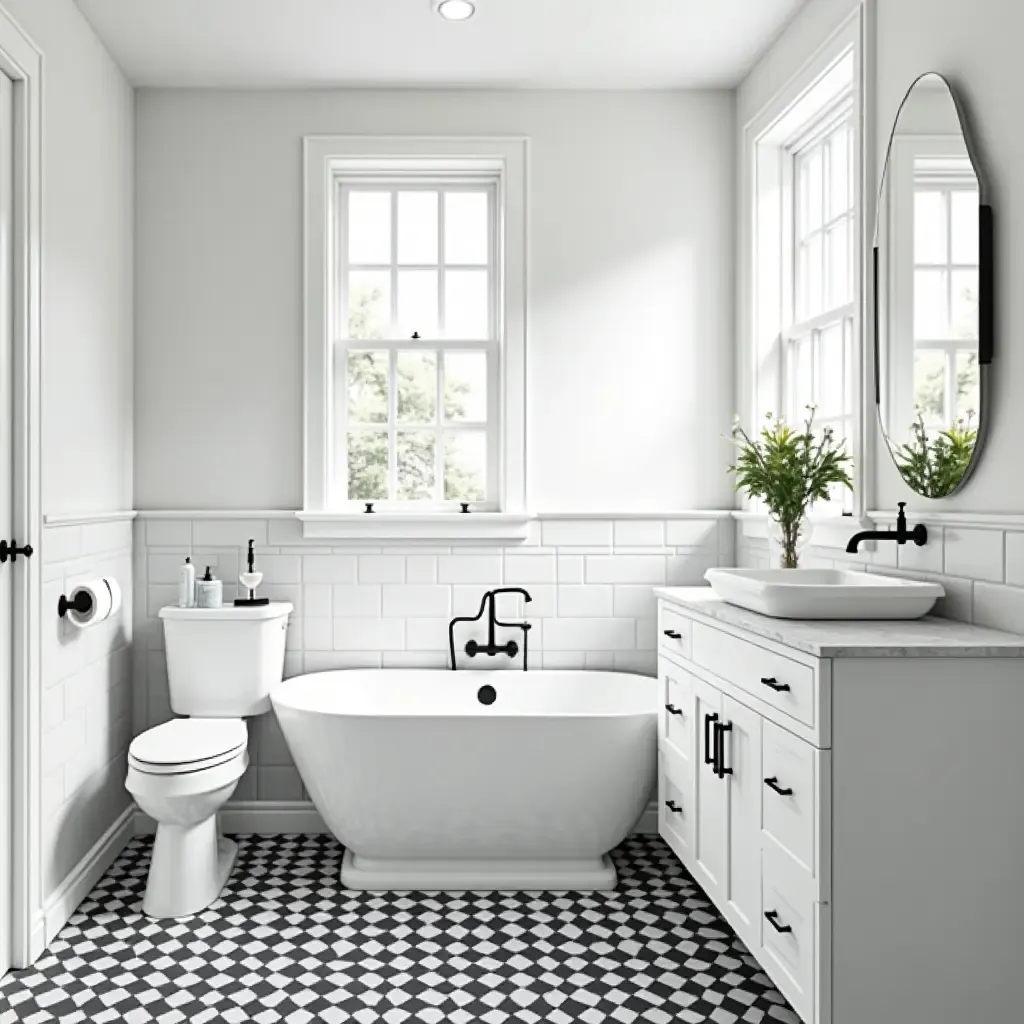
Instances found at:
x=487 y=695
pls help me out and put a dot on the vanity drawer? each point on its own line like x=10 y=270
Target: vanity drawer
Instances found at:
x=791 y=927
x=676 y=805
x=788 y=763
x=677 y=712
x=777 y=680
x=673 y=632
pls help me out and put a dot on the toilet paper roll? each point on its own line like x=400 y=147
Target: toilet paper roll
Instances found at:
x=104 y=597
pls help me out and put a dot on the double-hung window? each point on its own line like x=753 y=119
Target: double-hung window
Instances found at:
x=801 y=320
x=417 y=353
x=415 y=336
x=818 y=329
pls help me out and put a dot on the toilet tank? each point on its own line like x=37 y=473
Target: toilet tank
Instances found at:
x=223 y=662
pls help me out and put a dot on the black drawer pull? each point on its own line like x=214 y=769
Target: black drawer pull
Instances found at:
x=773 y=684
x=710 y=751
x=673 y=710
x=672 y=634
x=673 y=807
x=773 y=783
x=720 y=729
x=773 y=920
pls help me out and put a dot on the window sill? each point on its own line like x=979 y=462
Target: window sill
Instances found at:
x=474 y=527
x=827 y=531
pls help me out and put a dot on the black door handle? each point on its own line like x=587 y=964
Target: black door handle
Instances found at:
x=773 y=684
x=673 y=710
x=673 y=807
x=12 y=550
x=672 y=634
x=720 y=729
x=773 y=920
x=713 y=759
x=773 y=783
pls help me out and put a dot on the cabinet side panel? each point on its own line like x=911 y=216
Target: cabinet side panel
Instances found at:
x=927 y=840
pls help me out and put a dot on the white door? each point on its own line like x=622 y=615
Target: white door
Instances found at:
x=6 y=501
x=739 y=761
x=710 y=840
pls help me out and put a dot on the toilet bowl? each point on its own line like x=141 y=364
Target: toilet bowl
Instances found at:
x=181 y=773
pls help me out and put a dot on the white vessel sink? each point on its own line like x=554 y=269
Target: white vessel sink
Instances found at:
x=823 y=593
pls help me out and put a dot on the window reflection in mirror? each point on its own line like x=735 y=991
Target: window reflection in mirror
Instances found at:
x=929 y=266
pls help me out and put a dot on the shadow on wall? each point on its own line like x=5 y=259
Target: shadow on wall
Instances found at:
x=86 y=754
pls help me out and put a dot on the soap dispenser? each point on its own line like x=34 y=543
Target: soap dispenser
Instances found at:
x=209 y=591
x=251 y=580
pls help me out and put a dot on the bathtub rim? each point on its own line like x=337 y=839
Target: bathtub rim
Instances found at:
x=279 y=701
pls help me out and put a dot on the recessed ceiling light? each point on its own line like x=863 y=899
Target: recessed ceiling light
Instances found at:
x=455 y=10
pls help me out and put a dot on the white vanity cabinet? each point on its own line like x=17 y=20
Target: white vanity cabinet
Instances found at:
x=820 y=783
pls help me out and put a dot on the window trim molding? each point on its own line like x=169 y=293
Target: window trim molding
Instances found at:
x=323 y=156
x=856 y=32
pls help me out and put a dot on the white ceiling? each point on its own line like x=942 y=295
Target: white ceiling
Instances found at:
x=628 y=44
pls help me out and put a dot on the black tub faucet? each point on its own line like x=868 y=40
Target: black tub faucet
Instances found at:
x=491 y=648
x=919 y=534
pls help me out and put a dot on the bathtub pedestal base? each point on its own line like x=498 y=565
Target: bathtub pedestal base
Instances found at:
x=426 y=875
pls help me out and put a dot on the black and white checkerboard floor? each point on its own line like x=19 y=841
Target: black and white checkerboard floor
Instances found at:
x=287 y=944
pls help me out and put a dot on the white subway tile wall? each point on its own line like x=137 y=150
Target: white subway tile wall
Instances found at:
x=980 y=565
x=86 y=700
x=388 y=607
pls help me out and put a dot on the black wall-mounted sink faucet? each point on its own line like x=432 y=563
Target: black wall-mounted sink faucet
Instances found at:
x=919 y=534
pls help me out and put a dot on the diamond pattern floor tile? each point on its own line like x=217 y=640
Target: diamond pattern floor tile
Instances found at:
x=286 y=944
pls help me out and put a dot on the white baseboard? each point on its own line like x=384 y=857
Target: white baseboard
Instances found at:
x=64 y=901
x=269 y=817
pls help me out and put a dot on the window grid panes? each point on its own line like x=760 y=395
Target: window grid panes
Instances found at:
x=416 y=355
x=945 y=316
x=818 y=349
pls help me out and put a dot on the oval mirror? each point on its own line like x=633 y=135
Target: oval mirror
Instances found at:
x=933 y=294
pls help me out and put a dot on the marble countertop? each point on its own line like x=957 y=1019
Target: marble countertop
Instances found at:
x=929 y=637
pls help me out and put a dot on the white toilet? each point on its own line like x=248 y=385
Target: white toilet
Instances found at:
x=222 y=664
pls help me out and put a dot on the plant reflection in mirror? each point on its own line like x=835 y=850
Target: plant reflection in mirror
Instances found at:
x=934 y=466
x=789 y=470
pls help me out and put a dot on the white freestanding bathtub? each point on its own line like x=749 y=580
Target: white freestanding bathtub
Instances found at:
x=429 y=786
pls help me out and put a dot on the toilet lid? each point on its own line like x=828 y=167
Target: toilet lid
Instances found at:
x=188 y=741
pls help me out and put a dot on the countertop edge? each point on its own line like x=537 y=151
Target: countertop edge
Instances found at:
x=704 y=604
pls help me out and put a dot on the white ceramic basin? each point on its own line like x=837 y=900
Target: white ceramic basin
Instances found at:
x=824 y=593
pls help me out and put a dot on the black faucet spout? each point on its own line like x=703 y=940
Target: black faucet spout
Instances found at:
x=491 y=648
x=918 y=535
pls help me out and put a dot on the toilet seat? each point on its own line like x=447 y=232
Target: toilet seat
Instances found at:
x=186 y=745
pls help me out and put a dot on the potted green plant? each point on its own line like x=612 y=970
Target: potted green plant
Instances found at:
x=789 y=469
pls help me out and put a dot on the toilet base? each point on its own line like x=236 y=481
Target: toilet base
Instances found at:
x=190 y=866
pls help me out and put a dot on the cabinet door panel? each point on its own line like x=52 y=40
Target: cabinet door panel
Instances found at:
x=677 y=715
x=741 y=756
x=676 y=817
x=711 y=838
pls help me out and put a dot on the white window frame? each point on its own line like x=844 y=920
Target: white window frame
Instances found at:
x=765 y=276
x=330 y=162
x=898 y=412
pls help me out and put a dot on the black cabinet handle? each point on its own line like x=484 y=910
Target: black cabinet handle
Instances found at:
x=672 y=634
x=773 y=684
x=773 y=783
x=673 y=710
x=720 y=729
x=773 y=920
x=708 y=721
x=673 y=807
